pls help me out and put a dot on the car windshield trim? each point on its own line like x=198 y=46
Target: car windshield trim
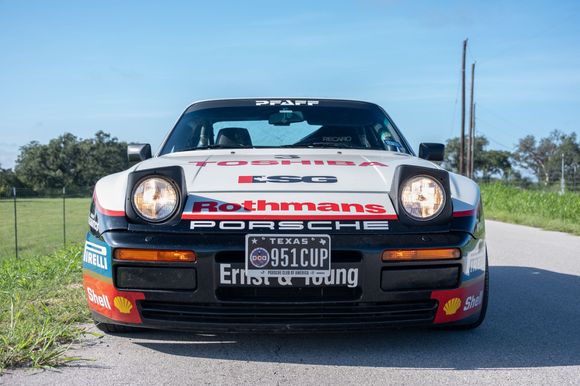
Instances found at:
x=308 y=127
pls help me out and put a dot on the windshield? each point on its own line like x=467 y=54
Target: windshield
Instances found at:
x=279 y=127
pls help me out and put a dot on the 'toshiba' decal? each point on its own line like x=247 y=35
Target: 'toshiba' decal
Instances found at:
x=287 y=162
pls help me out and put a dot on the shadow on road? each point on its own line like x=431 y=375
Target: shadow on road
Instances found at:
x=533 y=320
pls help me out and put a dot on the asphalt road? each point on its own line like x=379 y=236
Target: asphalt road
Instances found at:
x=531 y=336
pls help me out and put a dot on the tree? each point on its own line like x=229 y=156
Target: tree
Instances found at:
x=495 y=162
x=486 y=163
x=8 y=180
x=544 y=157
x=68 y=161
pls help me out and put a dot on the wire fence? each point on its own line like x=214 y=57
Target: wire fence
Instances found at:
x=37 y=223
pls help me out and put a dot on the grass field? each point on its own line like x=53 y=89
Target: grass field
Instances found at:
x=40 y=225
x=545 y=210
x=41 y=306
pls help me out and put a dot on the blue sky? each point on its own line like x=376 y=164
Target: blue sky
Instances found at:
x=131 y=67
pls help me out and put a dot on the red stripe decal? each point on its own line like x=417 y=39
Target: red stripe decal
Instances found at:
x=107 y=212
x=464 y=213
x=245 y=179
x=195 y=216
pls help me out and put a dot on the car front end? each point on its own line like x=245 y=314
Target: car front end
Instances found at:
x=296 y=237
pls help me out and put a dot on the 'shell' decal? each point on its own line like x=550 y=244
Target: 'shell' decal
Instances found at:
x=106 y=300
x=459 y=303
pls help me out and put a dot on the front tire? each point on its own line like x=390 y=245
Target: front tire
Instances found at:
x=115 y=328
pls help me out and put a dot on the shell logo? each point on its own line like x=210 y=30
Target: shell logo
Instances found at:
x=123 y=304
x=450 y=308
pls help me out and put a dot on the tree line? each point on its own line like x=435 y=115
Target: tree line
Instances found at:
x=66 y=161
x=75 y=163
x=532 y=161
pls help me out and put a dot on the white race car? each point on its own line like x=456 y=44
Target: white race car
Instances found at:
x=285 y=214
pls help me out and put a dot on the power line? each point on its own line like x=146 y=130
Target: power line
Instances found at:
x=492 y=139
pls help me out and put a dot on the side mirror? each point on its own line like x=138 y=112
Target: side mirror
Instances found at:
x=138 y=152
x=432 y=151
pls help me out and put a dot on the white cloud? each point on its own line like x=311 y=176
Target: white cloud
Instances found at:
x=8 y=154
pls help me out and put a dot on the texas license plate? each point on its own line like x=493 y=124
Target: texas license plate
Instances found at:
x=287 y=255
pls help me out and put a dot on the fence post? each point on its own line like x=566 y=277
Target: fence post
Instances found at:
x=64 y=215
x=15 y=223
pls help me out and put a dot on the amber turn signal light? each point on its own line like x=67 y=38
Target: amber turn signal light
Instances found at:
x=421 y=254
x=154 y=255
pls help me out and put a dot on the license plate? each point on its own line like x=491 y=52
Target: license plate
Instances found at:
x=287 y=255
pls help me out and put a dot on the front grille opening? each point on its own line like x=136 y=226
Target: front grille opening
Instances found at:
x=328 y=313
x=335 y=256
x=296 y=294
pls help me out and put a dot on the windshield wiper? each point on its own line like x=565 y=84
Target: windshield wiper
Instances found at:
x=217 y=147
x=325 y=144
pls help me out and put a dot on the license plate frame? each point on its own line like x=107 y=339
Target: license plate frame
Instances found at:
x=265 y=253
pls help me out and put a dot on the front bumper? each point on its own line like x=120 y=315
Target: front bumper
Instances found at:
x=212 y=294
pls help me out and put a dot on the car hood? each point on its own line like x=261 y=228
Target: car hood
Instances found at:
x=286 y=170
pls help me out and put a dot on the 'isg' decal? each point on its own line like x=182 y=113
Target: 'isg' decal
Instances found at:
x=287 y=179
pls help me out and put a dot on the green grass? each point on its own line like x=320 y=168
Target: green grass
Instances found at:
x=40 y=225
x=540 y=209
x=41 y=308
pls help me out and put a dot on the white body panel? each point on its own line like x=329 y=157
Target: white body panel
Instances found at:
x=362 y=176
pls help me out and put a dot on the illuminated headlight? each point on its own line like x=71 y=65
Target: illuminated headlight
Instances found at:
x=155 y=199
x=422 y=197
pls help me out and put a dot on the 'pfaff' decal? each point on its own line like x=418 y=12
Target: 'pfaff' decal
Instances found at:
x=286 y=102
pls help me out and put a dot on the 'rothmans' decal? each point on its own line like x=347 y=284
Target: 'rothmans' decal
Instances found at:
x=271 y=209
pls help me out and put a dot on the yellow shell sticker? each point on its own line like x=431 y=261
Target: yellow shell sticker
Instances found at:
x=450 y=307
x=123 y=305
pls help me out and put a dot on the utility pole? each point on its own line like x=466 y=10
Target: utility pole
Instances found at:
x=462 y=137
x=473 y=142
x=562 y=180
x=15 y=223
x=471 y=139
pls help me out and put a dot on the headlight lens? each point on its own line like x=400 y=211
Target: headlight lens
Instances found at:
x=155 y=199
x=422 y=197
